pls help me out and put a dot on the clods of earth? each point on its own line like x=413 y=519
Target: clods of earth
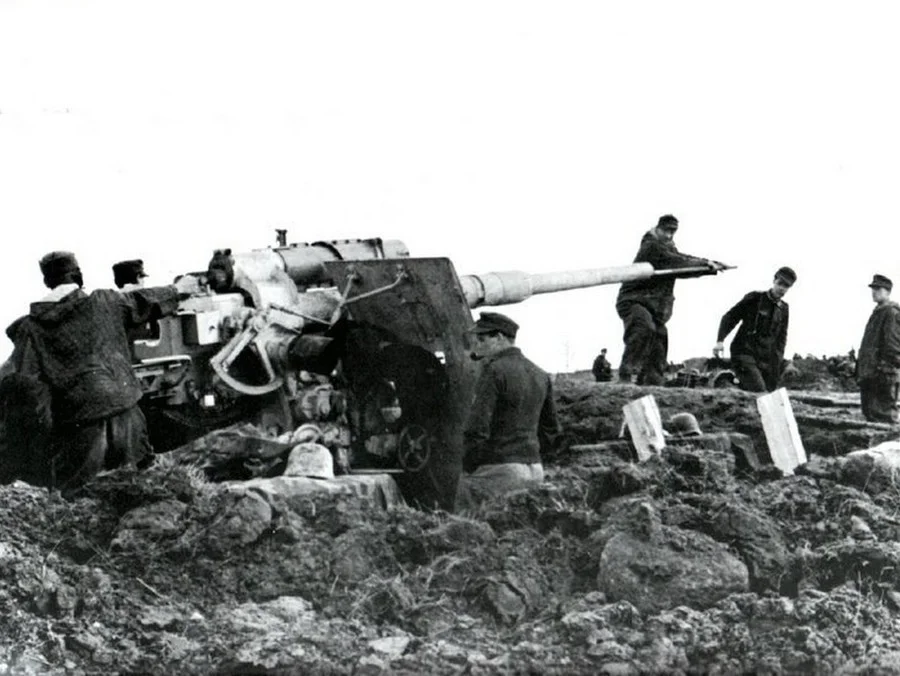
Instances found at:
x=692 y=561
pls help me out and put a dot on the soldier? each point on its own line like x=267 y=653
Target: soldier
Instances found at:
x=757 y=351
x=602 y=369
x=645 y=305
x=74 y=345
x=878 y=363
x=512 y=420
x=129 y=275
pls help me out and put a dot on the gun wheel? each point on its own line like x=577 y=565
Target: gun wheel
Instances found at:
x=413 y=448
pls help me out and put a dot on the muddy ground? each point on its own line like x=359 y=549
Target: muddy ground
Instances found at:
x=690 y=562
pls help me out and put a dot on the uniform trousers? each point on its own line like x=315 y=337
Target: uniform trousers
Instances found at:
x=492 y=480
x=82 y=449
x=646 y=345
x=878 y=396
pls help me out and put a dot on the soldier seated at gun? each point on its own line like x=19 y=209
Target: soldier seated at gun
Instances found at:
x=71 y=353
x=757 y=352
x=512 y=420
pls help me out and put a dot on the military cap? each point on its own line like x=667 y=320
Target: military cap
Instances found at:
x=880 y=281
x=56 y=264
x=494 y=322
x=667 y=222
x=787 y=275
x=128 y=272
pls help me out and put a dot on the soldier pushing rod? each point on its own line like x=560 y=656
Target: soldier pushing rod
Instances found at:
x=645 y=305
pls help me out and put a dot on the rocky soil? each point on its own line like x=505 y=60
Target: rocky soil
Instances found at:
x=688 y=563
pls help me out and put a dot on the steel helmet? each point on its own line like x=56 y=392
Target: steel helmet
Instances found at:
x=311 y=460
x=306 y=433
x=683 y=424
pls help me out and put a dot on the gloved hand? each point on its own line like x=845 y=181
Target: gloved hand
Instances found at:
x=187 y=285
x=719 y=350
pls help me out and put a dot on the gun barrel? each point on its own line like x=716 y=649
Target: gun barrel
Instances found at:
x=514 y=286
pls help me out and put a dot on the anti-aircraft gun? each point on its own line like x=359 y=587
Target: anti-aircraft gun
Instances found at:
x=355 y=336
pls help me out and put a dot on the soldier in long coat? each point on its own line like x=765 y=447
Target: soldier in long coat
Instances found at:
x=71 y=360
x=878 y=363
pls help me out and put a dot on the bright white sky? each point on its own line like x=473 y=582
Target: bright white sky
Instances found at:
x=504 y=135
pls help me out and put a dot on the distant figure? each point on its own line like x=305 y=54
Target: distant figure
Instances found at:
x=757 y=352
x=512 y=419
x=73 y=352
x=878 y=363
x=645 y=305
x=129 y=275
x=602 y=369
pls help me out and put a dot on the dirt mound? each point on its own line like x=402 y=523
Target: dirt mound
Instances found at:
x=681 y=563
x=827 y=374
x=830 y=423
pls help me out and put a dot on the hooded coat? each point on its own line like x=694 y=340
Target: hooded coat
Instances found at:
x=25 y=414
x=79 y=347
